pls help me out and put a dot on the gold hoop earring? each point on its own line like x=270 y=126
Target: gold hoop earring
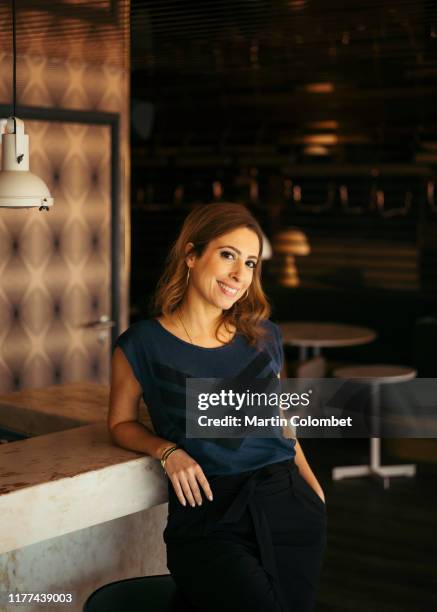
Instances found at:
x=245 y=297
x=188 y=276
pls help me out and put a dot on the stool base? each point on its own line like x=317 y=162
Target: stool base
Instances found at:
x=380 y=473
x=375 y=469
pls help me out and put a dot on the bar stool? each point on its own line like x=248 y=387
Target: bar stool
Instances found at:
x=375 y=376
x=145 y=594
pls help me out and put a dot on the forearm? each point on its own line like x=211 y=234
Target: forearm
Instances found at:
x=132 y=435
x=306 y=472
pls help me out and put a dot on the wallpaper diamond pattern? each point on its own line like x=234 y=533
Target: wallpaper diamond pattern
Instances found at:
x=55 y=273
x=55 y=266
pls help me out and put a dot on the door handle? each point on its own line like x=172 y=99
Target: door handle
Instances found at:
x=104 y=322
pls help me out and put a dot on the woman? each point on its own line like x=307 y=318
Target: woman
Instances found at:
x=253 y=532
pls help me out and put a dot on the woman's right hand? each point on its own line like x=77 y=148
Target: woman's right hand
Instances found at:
x=186 y=475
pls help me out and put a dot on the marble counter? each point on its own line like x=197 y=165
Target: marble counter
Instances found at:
x=50 y=409
x=73 y=477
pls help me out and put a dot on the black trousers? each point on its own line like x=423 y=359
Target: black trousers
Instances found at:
x=257 y=546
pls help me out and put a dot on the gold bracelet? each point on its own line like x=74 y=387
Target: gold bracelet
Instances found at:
x=175 y=448
x=166 y=453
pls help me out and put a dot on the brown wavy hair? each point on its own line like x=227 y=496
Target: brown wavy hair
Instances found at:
x=202 y=225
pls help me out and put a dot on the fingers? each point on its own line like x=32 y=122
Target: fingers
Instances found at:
x=191 y=490
x=178 y=490
x=185 y=483
x=204 y=484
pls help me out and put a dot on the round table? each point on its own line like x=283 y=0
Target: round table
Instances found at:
x=381 y=374
x=375 y=375
x=317 y=335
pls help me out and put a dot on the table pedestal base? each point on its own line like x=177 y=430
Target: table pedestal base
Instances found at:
x=375 y=469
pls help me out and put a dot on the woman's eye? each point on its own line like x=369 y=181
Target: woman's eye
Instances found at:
x=227 y=255
x=230 y=256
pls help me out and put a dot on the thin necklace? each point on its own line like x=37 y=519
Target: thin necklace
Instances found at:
x=179 y=316
x=186 y=331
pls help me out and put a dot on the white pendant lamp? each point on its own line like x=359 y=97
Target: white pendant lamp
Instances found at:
x=19 y=188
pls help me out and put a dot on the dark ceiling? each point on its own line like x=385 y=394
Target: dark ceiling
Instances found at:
x=354 y=81
x=296 y=80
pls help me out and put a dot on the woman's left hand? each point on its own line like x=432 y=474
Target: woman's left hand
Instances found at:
x=319 y=491
x=321 y=495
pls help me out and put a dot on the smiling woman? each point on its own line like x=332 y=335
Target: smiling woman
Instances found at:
x=217 y=256
x=222 y=273
x=258 y=542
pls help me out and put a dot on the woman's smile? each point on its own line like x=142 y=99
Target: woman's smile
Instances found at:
x=227 y=289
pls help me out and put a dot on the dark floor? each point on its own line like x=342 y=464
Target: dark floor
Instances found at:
x=382 y=544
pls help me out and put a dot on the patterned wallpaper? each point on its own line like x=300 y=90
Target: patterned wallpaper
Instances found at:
x=55 y=274
x=86 y=31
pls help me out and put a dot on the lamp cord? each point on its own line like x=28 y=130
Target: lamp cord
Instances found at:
x=14 y=71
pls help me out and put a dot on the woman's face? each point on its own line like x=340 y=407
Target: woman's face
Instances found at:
x=225 y=269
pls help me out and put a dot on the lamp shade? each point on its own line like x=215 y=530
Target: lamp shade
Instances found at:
x=20 y=188
x=287 y=244
x=291 y=241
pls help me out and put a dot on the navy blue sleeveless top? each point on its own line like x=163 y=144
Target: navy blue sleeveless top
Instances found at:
x=161 y=362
